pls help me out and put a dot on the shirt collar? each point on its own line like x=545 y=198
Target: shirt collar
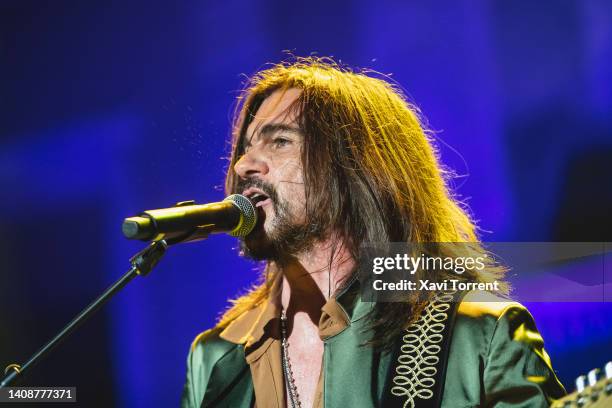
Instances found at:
x=250 y=327
x=255 y=326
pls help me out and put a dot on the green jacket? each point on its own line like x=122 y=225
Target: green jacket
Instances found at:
x=496 y=359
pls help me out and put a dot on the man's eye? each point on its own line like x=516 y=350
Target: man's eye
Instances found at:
x=280 y=142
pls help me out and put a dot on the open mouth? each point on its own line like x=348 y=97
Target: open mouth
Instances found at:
x=258 y=198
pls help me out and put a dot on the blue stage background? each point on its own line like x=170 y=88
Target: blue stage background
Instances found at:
x=109 y=108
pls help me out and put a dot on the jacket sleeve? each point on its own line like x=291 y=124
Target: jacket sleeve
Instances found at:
x=518 y=372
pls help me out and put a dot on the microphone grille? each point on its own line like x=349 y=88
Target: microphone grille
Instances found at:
x=248 y=215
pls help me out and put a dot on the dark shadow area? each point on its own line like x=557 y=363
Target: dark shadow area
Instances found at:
x=32 y=310
x=584 y=212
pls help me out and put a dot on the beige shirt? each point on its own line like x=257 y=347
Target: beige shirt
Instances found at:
x=259 y=331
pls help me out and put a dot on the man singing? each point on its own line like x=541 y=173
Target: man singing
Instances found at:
x=333 y=159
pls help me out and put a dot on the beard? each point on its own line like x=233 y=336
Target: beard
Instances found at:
x=285 y=237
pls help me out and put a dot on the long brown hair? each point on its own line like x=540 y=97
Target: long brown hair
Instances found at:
x=371 y=170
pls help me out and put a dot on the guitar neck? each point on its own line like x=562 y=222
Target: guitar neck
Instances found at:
x=597 y=394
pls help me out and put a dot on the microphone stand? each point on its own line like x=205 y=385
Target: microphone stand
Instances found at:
x=142 y=263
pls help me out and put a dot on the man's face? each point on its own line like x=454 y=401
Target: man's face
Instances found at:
x=270 y=172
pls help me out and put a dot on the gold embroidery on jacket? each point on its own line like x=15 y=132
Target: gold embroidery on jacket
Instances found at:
x=416 y=371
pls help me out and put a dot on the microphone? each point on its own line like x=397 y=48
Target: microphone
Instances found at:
x=188 y=221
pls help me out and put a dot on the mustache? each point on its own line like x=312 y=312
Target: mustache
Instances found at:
x=267 y=188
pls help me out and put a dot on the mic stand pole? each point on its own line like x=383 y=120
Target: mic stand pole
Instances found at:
x=142 y=263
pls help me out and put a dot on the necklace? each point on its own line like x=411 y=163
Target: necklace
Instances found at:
x=294 y=397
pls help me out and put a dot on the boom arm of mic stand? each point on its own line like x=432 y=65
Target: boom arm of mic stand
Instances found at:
x=142 y=263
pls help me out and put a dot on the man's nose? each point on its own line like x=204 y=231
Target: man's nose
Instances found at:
x=250 y=165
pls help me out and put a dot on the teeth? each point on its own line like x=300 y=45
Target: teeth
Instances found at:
x=257 y=197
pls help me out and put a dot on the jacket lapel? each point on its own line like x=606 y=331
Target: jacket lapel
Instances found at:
x=355 y=374
x=230 y=383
